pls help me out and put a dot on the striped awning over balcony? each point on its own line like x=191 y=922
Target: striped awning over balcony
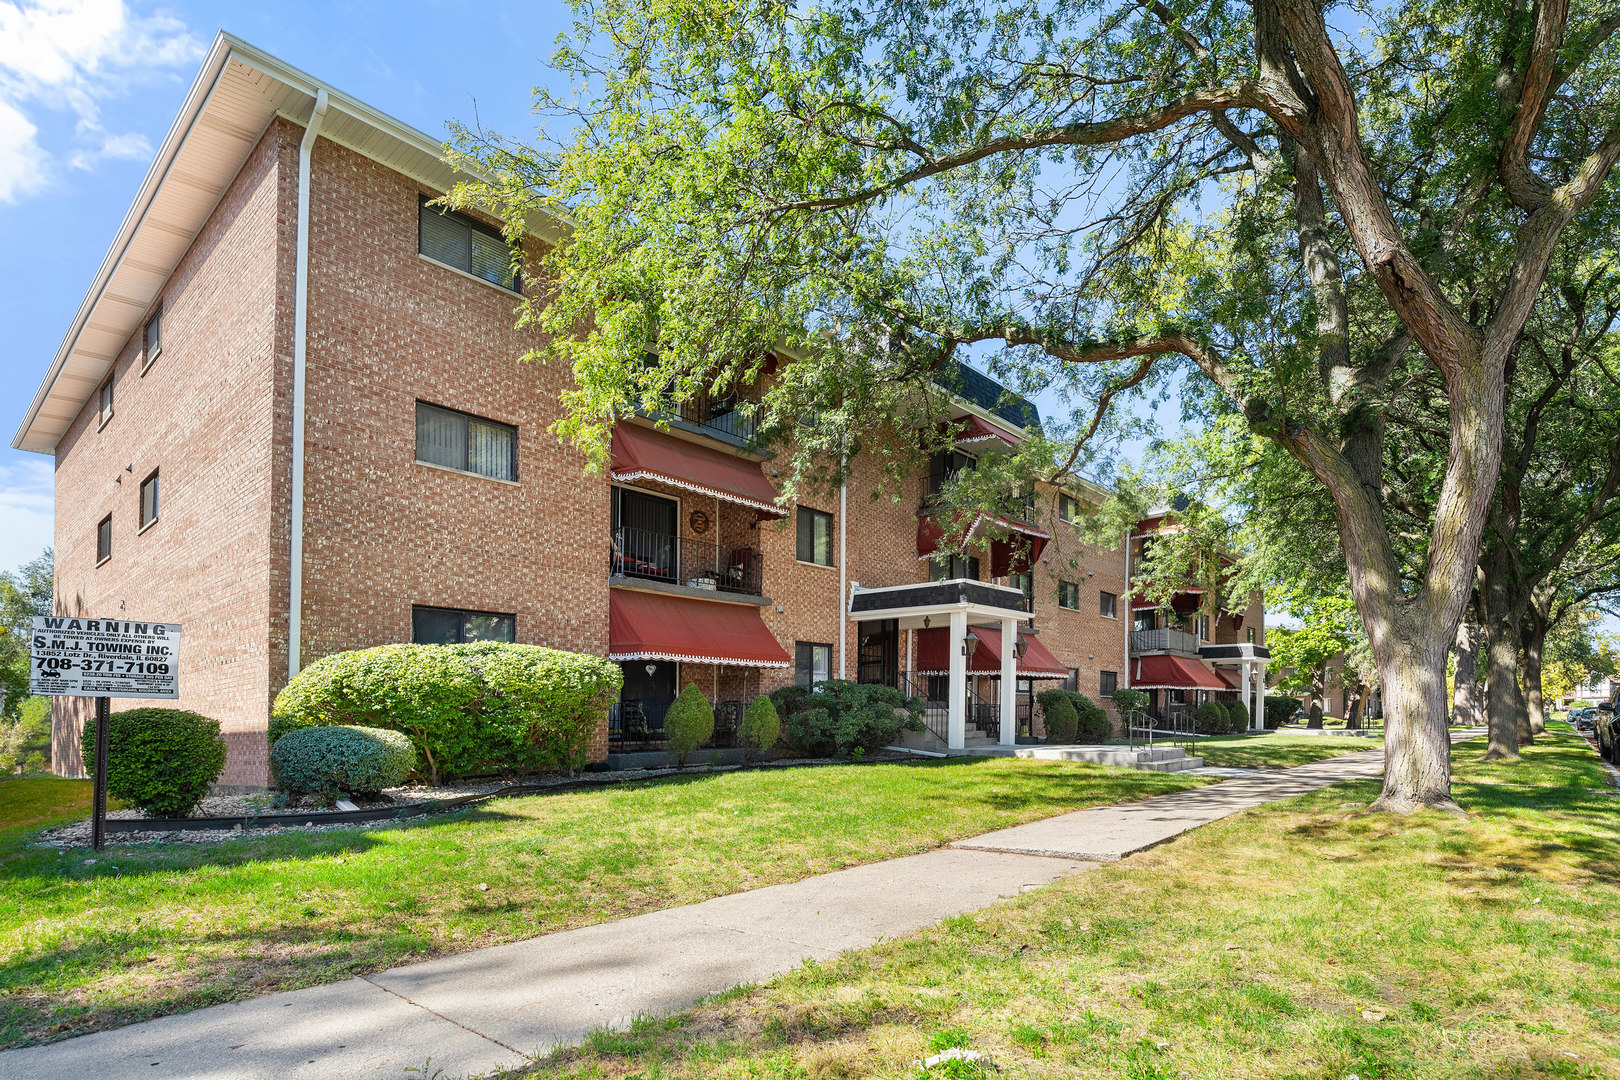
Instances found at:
x=644 y=454
x=655 y=626
x=1019 y=550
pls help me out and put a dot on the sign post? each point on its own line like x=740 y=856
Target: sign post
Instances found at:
x=103 y=659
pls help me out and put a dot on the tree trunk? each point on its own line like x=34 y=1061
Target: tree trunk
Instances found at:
x=1417 y=738
x=1318 y=688
x=1502 y=701
x=1535 y=638
x=1352 y=715
x=1465 y=696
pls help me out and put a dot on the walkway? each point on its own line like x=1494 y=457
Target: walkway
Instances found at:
x=472 y=1013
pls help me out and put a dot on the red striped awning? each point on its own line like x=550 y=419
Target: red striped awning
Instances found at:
x=933 y=655
x=1019 y=550
x=1232 y=679
x=1172 y=673
x=644 y=454
x=971 y=430
x=654 y=626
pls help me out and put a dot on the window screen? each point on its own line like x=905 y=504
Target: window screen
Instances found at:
x=458 y=441
x=815 y=537
x=149 y=499
x=450 y=626
x=466 y=244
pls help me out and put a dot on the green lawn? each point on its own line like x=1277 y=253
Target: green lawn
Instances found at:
x=1305 y=939
x=1277 y=751
x=148 y=930
x=29 y=804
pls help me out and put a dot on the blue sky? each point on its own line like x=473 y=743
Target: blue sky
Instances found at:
x=89 y=87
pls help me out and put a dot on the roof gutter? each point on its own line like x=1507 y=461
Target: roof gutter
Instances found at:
x=295 y=584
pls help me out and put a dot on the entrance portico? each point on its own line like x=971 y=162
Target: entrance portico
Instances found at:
x=1251 y=660
x=957 y=605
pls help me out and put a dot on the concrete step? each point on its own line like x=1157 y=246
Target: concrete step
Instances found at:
x=1181 y=764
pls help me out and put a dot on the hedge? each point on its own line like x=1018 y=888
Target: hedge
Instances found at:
x=1280 y=710
x=477 y=708
x=1060 y=716
x=1090 y=719
x=334 y=761
x=1238 y=714
x=761 y=727
x=162 y=760
x=689 y=723
x=1210 y=719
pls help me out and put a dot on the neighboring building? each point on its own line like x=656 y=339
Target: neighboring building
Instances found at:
x=288 y=416
x=1592 y=692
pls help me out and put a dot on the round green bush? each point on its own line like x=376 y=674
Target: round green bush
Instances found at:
x=689 y=723
x=477 y=708
x=161 y=760
x=333 y=761
x=280 y=725
x=1210 y=719
x=1280 y=710
x=1238 y=714
x=1129 y=701
x=1093 y=720
x=1062 y=720
x=761 y=726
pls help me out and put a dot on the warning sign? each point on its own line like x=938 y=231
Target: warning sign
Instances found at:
x=123 y=658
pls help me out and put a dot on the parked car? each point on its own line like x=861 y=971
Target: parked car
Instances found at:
x=1607 y=727
x=1582 y=719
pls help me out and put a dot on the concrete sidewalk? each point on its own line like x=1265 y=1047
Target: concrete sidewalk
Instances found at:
x=475 y=1012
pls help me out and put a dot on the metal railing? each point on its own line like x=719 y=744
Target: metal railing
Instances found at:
x=1176 y=641
x=642 y=553
x=639 y=725
x=724 y=416
x=978 y=713
x=1173 y=724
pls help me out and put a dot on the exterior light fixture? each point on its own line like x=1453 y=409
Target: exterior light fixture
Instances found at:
x=926 y=620
x=970 y=643
x=1022 y=647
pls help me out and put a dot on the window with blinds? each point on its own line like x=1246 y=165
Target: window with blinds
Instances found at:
x=456 y=440
x=466 y=244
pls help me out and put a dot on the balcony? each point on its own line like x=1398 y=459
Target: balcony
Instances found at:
x=1172 y=641
x=721 y=418
x=675 y=560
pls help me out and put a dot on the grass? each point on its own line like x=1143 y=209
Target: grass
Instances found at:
x=30 y=804
x=1278 y=751
x=153 y=929
x=1305 y=940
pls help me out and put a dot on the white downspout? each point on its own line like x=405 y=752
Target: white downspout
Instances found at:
x=843 y=568
x=295 y=569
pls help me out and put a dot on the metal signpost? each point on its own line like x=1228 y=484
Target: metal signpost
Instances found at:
x=103 y=659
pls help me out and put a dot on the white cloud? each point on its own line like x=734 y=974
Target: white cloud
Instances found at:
x=67 y=57
x=26 y=509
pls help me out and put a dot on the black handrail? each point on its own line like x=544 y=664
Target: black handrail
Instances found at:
x=643 y=553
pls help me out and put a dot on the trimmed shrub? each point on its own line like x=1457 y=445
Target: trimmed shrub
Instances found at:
x=280 y=725
x=1061 y=718
x=161 y=760
x=1210 y=719
x=1093 y=720
x=760 y=727
x=334 y=761
x=476 y=708
x=1280 y=710
x=1127 y=701
x=1238 y=714
x=839 y=717
x=689 y=723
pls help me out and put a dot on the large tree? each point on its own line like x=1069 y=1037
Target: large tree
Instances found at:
x=1303 y=208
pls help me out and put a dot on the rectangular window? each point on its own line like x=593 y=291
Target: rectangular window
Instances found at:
x=105 y=402
x=1142 y=620
x=1201 y=627
x=943 y=467
x=815 y=537
x=812 y=663
x=1073 y=681
x=1024 y=583
x=448 y=626
x=1107 y=683
x=1251 y=635
x=1108 y=605
x=1069 y=508
x=951 y=567
x=104 y=540
x=1069 y=595
x=154 y=339
x=456 y=440
x=466 y=244
x=149 y=499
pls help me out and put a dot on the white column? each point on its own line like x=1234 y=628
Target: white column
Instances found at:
x=1247 y=692
x=956 y=729
x=1009 y=682
x=1260 y=698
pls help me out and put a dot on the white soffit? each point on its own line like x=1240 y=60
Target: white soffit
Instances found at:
x=235 y=96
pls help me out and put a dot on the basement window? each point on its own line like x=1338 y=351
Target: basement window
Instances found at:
x=452 y=626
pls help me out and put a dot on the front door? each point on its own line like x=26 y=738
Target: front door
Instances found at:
x=878 y=655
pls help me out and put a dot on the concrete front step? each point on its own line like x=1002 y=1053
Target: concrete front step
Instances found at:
x=1180 y=764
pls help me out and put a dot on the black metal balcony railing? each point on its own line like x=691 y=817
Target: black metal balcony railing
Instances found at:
x=641 y=553
x=723 y=417
x=639 y=725
x=1176 y=641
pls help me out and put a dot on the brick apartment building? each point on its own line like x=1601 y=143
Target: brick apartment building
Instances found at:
x=288 y=416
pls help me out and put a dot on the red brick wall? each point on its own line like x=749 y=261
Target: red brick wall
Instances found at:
x=202 y=413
